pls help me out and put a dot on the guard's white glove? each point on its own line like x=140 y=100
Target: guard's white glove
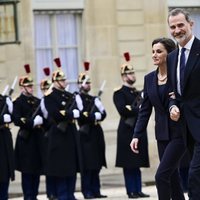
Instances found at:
x=9 y=104
x=97 y=115
x=43 y=109
x=6 y=118
x=38 y=120
x=99 y=104
x=76 y=113
x=79 y=102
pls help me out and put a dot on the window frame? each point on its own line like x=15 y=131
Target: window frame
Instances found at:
x=15 y=15
x=55 y=47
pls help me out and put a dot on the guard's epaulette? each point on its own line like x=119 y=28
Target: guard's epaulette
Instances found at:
x=48 y=93
x=117 y=88
x=14 y=98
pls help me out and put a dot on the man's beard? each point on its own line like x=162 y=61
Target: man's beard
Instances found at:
x=85 y=90
x=182 y=39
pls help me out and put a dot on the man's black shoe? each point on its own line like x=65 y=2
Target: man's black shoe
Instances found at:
x=100 y=196
x=141 y=194
x=133 y=195
x=89 y=196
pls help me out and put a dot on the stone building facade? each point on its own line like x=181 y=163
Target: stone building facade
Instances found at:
x=107 y=29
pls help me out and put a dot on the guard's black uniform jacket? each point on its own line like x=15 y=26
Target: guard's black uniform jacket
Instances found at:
x=6 y=147
x=43 y=144
x=43 y=137
x=91 y=135
x=62 y=158
x=27 y=154
x=124 y=100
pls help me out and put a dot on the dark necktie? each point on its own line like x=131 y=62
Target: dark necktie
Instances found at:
x=182 y=68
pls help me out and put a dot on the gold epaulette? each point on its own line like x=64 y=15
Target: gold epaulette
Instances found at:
x=6 y=125
x=14 y=98
x=128 y=107
x=117 y=88
x=48 y=92
x=85 y=114
x=23 y=119
x=63 y=112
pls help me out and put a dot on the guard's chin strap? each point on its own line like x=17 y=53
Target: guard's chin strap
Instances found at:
x=61 y=87
x=129 y=81
x=28 y=93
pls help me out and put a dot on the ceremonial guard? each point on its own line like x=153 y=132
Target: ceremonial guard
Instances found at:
x=6 y=146
x=92 y=139
x=27 y=154
x=62 y=156
x=127 y=101
x=45 y=86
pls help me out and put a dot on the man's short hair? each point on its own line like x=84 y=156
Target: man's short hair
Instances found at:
x=177 y=11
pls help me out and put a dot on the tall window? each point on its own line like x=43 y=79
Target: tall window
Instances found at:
x=8 y=22
x=195 y=15
x=57 y=34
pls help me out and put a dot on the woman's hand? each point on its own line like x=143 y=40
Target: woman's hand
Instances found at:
x=134 y=145
x=175 y=113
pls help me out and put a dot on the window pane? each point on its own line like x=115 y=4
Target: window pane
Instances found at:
x=56 y=36
x=70 y=66
x=43 y=48
x=66 y=27
x=67 y=46
x=7 y=23
x=195 y=15
x=43 y=36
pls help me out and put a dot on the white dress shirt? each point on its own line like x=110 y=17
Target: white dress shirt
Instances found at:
x=187 y=51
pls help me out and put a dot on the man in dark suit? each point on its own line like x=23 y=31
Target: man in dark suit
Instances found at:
x=184 y=74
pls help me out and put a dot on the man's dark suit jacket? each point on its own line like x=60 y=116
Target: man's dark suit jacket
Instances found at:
x=165 y=129
x=189 y=101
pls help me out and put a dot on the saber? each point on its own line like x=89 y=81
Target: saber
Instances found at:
x=101 y=88
x=13 y=86
x=5 y=90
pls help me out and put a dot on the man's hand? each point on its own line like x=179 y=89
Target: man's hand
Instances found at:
x=174 y=113
x=134 y=145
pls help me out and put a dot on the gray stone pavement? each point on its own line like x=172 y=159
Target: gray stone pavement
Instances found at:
x=117 y=193
x=113 y=193
x=112 y=186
